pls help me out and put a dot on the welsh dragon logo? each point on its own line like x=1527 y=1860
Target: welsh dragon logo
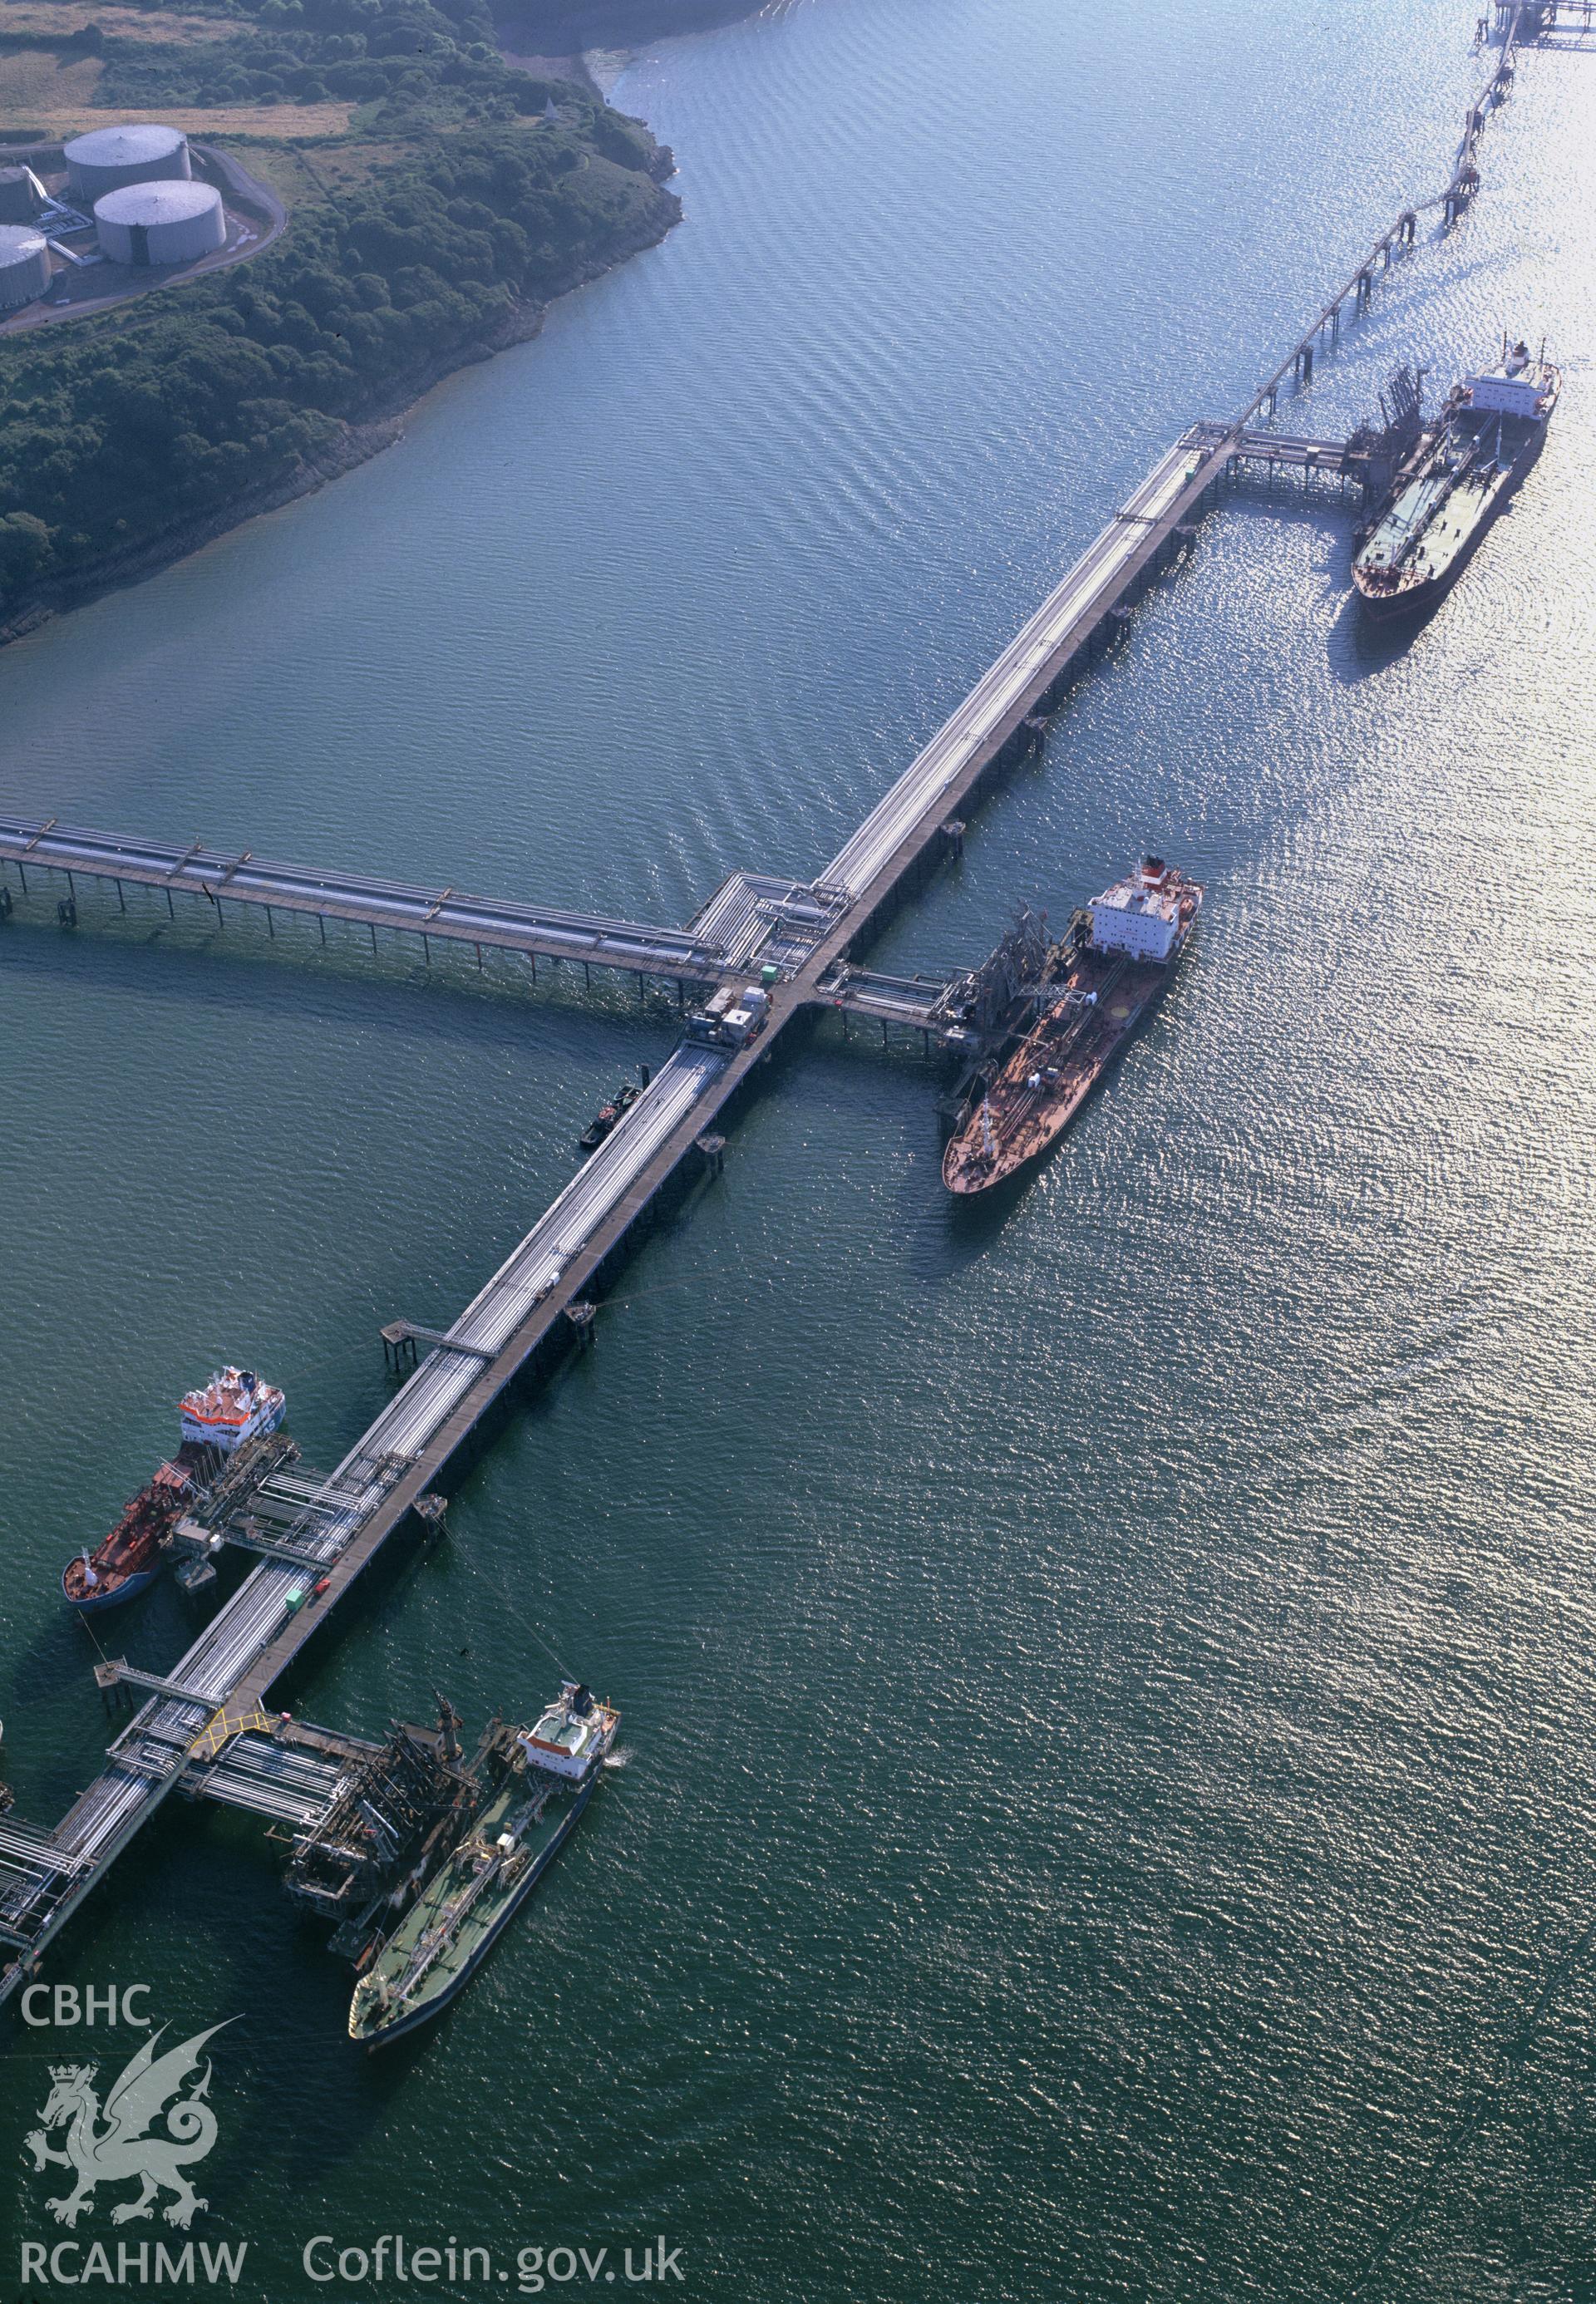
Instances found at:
x=122 y=2150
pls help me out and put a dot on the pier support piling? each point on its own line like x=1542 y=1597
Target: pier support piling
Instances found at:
x=115 y=1693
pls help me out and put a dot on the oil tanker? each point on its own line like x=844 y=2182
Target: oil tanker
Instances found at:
x=1445 y=497
x=1107 y=973
x=541 y=1780
x=127 y=1561
x=216 y=1421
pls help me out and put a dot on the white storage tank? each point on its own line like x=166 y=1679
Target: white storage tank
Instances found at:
x=24 y=265
x=160 y=224
x=109 y=157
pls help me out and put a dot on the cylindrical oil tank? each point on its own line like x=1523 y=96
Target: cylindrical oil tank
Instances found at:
x=24 y=265
x=19 y=196
x=109 y=157
x=160 y=224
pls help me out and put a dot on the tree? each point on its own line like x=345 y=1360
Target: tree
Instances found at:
x=25 y=550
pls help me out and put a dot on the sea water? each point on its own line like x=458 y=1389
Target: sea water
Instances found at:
x=1109 y=1681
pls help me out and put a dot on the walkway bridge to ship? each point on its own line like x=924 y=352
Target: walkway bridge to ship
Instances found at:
x=199 y=1726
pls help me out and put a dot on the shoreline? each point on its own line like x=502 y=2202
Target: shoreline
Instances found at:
x=574 y=67
x=361 y=440
x=570 y=27
x=579 y=39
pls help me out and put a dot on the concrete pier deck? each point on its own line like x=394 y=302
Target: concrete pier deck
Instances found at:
x=798 y=935
x=941 y=776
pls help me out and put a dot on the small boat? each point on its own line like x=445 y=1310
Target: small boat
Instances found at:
x=608 y=1117
x=540 y=1780
x=233 y=1407
x=1448 y=494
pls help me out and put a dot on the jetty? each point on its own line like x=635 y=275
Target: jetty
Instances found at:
x=794 y=937
x=203 y=1726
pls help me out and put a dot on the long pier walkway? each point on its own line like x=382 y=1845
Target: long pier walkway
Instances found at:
x=534 y=931
x=341 y=1521
x=942 y=776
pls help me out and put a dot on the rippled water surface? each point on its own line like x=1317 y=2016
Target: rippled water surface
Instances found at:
x=1108 y=1684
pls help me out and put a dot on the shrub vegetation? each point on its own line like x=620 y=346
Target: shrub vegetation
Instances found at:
x=492 y=190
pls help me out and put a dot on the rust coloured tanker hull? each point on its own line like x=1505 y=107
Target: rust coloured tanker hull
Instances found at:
x=1093 y=1007
x=1010 y=1128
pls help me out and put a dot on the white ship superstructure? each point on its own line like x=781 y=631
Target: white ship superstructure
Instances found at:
x=233 y=1407
x=1147 y=915
x=572 y=1736
x=1517 y=385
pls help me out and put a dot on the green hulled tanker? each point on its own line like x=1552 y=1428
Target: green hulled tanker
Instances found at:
x=539 y=1782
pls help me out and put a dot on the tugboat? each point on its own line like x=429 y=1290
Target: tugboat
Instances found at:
x=541 y=1780
x=608 y=1117
x=1490 y=431
x=1108 y=971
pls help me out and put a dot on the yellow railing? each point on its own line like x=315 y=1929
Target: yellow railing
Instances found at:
x=224 y=1726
